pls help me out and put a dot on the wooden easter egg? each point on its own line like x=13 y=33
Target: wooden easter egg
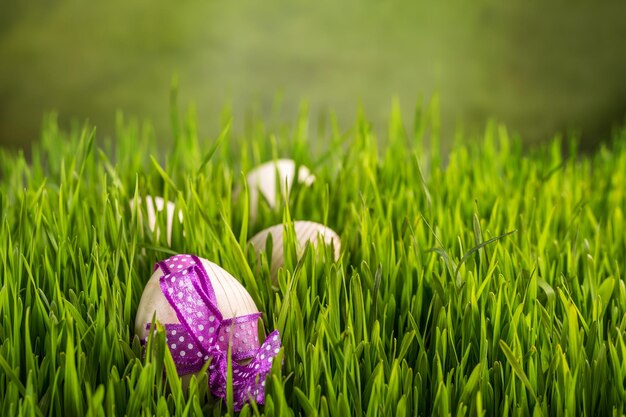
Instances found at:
x=156 y=205
x=208 y=315
x=263 y=179
x=305 y=231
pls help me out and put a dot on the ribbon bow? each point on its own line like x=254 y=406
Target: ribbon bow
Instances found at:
x=204 y=334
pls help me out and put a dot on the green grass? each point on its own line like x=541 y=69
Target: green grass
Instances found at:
x=486 y=282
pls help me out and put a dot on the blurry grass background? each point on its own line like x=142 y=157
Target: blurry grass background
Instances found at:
x=540 y=68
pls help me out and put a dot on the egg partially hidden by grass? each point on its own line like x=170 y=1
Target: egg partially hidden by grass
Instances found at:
x=262 y=181
x=208 y=316
x=305 y=231
x=156 y=205
x=230 y=298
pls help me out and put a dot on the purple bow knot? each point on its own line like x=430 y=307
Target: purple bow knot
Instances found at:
x=248 y=379
x=204 y=334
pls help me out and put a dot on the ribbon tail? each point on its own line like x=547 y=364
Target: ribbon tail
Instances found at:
x=249 y=379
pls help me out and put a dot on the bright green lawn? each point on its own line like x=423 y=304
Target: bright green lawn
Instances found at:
x=427 y=312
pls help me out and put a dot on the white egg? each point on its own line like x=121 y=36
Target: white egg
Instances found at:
x=305 y=232
x=262 y=181
x=232 y=298
x=160 y=205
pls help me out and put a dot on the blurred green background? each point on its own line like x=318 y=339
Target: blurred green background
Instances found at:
x=540 y=67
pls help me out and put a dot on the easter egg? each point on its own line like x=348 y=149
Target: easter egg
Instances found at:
x=156 y=205
x=262 y=180
x=305 y=231
x=207 y=313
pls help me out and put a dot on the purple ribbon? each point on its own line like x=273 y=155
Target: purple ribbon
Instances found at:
x=204 y=334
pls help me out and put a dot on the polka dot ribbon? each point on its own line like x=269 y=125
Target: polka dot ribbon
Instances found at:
x=203 y=334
